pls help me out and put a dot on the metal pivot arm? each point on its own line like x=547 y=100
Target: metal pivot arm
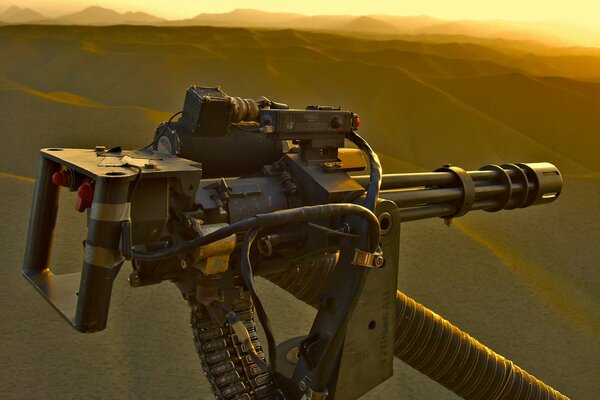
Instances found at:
x=421 y=338
x=349 y=349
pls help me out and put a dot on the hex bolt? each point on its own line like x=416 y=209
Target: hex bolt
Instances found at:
x=134 y=280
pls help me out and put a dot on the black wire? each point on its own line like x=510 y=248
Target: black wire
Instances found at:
x=138 y=178
x=276 y=218
x=246 y=269
x=139 y=169
x=189 y=245
x=325 y=367
x=375 y=170
x=332 y=231
x=158 y=136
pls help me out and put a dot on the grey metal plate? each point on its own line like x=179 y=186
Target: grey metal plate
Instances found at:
x=59 y=290
x=115 y=165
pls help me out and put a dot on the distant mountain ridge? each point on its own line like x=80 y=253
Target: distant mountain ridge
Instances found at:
x=370 y=24
x=103 y=16
x=17 y=15
x=385 y=26
x=93 y=15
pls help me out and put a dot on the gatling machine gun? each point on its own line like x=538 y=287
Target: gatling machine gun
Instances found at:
x=238 y=188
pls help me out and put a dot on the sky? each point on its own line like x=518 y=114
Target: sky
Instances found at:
x=580 y=12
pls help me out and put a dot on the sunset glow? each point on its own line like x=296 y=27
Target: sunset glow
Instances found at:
x=580 y=12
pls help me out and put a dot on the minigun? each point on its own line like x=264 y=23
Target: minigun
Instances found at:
x=238 y=188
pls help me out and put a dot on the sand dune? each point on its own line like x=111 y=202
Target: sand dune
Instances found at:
x=590 y=89
x=72 y=99
x=45 y=122
x=396 y=80
x=61 y=97
x=546 y=113
x=555 y=291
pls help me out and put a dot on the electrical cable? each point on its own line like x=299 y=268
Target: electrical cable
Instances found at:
x=246 y=270
x=376 y=173
x=368 y=239
x=331 y=231
x=276 y=218
x=158 y=136
x=139 y=169
x=324 y=370
x=138 y=178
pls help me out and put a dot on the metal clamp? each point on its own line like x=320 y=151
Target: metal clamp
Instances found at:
x=467 y=185
x=368 y=260
x=310 y=394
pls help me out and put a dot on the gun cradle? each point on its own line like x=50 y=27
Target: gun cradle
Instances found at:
x=293 y=215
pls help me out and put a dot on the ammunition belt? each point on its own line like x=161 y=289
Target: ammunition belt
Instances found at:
x=225 y=360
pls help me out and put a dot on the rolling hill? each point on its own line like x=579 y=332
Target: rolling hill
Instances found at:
x=19 y=15
x=524 y=282
x=417 y=102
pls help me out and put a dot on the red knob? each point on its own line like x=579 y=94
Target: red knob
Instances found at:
x=356 y=122
x=85 y=192
x=61 y=178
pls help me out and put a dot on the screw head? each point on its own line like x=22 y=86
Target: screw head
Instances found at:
x=302 y=385
x=379 y=261
x=134 y=280
x=183 y=263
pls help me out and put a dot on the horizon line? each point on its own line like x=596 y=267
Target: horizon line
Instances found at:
x=234 y=9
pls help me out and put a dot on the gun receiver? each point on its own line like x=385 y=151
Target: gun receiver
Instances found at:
x=238 y=188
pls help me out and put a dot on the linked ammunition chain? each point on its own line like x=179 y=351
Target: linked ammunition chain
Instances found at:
x=226 y=362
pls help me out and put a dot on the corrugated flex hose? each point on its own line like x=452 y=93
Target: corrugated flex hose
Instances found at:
x=434 y=346
x=438 y=349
